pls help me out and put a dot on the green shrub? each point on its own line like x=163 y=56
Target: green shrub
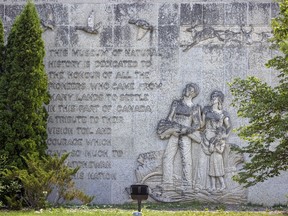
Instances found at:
x=42 y=177
x=28 y=175
x=23 y=91
x=10 y=190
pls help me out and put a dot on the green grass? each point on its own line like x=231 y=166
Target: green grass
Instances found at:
x=121 y=212
x=155 y=209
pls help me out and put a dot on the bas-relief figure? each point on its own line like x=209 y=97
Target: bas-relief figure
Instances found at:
x=244 y=35
x=217 y=127
x=207 y=163
x=143 y=27
x=202 y=35
x=197 y=162
x=181 y=135
x=90 y=27
x=48 y=22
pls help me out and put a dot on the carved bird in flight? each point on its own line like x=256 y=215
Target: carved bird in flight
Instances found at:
x=49 y=22
x=143 y=27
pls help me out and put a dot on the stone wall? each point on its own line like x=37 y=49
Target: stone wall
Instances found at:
x=116 y=66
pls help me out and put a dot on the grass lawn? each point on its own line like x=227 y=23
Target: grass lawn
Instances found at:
x=121 y=212
x=155 y=209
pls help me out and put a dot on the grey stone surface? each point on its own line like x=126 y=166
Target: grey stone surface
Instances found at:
x=191 y=14
x=235 y=13
x=115 y=66
x=213 y=14
x=259 y=13
x=2 y=12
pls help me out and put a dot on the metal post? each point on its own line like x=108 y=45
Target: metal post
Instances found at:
x=139 y=193
x=139 y=205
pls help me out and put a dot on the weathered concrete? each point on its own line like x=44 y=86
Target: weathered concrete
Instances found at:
x=115 y=67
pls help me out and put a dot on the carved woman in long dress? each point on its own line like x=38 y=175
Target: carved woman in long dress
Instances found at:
x=183 y=120
x=213 y=117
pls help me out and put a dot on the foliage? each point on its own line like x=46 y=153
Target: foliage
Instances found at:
x=28 y=175
x=1 y=46
x=8 y=188
x=23 y=91
x=265 y=107
x=44 y=176
x=62 y=181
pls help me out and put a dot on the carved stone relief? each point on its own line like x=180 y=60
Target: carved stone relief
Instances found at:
x=48 y=22
x=91 y=27
x=198 y=162
x=52 y=15
x=107 y=90
x=143 y=27
x=240 y=35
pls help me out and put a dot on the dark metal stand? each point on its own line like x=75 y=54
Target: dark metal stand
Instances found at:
x=139 y=193
x=139 y=205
